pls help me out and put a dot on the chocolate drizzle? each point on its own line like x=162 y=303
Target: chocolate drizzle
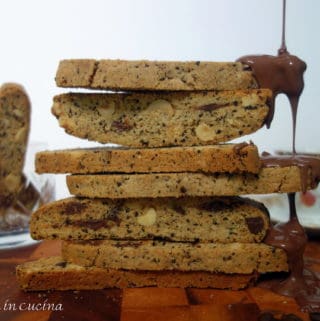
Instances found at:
x=238 y=148
x=283 y=74
x=301 y=283
x=291 y=237
x=289 y=71
x=309 y=167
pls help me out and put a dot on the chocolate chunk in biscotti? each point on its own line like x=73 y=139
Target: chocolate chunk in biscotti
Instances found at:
x=205 y=219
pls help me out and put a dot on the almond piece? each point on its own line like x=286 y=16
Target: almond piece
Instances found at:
x=205 y=132
x=161 y=106
x=148 y=218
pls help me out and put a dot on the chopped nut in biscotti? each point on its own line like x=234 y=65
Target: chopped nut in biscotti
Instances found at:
x=204 y=132
x=148 y=218
x=148 y=119
x=160 y=106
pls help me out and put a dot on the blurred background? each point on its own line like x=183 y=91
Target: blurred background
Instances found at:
x=36 y=34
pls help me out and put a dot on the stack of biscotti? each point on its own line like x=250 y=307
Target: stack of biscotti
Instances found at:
x=163 y=209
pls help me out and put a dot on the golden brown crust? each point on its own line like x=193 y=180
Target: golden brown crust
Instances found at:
x=243 y=258
x=269 y=180
x=162 y=119
x=55 y=274
x=153 y=75
x=207 y=219
x=216 y=158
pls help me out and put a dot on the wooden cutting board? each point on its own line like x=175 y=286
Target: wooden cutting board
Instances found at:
x=144 y=304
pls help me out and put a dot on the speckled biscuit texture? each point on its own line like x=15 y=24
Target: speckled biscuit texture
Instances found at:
x=269 y=180
x=215 y=158
x=243 y=258
x=163 y=119
x=153 y=75
x=204 y=219
x=54 y=273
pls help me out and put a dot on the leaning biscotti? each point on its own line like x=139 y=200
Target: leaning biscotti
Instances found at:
x=162 y=119
x=54 y=273
x=216 y=158
x=269 y=180
x=221 y=220
x=14 y=130
x=243 y=258
x=153 y=75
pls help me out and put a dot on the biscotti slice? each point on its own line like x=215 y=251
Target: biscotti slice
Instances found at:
x=153 y=75
x=229 y=158
x=14 y=130
x=243 y=258
x=270 y=180
x=162 y=119
x=54 y=273
x=221 y=219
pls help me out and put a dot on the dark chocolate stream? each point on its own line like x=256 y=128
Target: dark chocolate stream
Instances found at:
x=301 y=284
x=283 y=74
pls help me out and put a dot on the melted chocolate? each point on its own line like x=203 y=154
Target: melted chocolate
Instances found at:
x=289 y=71
x=111 y=219
x=283 y=74
x=309 y=167
x=75 y=207
x=301 y=283
x=255 y=224
x=211 y=107
x=238 y=148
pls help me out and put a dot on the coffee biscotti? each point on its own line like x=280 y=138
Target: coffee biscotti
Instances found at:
x=14 y=130
x=153 y=75
x=222 y=220
x=162 y=119
x=243 y=258
x=54 y=273
x=229 y=158
x=269 y=180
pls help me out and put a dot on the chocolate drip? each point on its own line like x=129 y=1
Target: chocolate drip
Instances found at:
x=291 y=237
x=309 y=167
x=238 y=148
x=283 y=47
x=301 y=284
x=283 y=74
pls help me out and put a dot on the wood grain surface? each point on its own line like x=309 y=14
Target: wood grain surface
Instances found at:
x=156 y=304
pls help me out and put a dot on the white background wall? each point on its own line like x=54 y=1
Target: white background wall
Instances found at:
x=36 y=34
